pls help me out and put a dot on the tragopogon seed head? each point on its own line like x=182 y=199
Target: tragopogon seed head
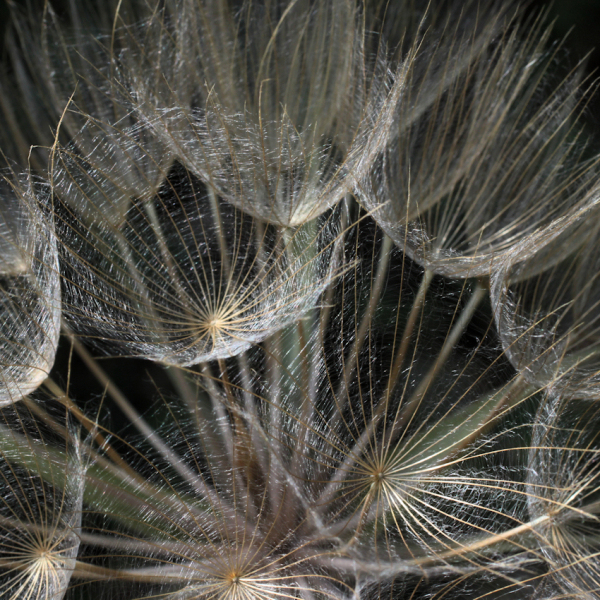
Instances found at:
x=337 y=418
x=183 y=277
x=30 y=304
x=286 y=112
x=482 y=166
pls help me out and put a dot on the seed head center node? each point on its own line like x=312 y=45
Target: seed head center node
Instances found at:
x=378 y=476
x=213 y=324
x=232 y=579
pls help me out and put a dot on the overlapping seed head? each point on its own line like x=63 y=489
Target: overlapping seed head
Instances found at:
x=40 y=510
x=352 y=248
x=282 y=108
x=30 y=303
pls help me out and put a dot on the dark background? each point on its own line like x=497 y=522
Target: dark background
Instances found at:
x=581 y=17
x=578 y=20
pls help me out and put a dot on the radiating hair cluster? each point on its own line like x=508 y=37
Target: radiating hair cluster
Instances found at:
x=299 y=299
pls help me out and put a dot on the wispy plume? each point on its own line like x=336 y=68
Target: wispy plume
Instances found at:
x=283 y=109
x=30 y=292
x=299 y=300
x=485 y=153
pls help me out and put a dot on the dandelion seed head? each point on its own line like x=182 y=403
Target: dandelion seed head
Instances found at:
x=479 y=172
x=356 y=244
x=30 y=302
x=184 y=277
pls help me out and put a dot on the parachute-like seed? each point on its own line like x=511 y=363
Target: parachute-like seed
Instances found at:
x=220 y=520
x=339 y=454
x=40 y=510
x=548 y=319
x=184 y=277
x=287 y=111
x=482 y=165
x=30 y=304
x=564 y=493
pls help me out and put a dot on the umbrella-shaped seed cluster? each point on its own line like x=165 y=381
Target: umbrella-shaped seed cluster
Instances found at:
x=298 y=299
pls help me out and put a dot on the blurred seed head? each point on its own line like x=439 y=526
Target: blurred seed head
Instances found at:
x=55 y=60
x=485 y=158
